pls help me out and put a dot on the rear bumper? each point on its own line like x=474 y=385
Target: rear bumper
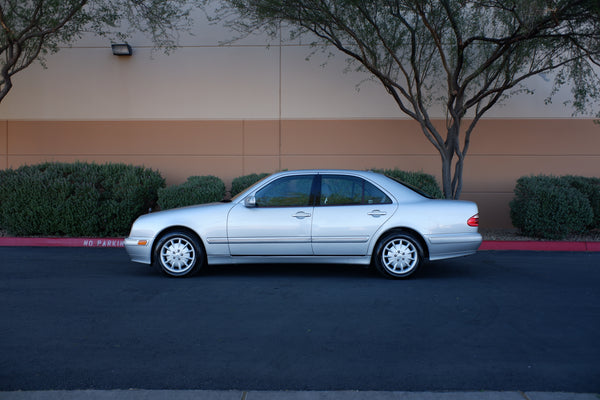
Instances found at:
x=453 y=245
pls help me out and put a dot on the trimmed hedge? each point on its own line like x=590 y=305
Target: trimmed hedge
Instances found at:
x=590 y=188
x=551 y=207
x=421 y=180
x=196 y=190
x=75 y=199
x=241 y=183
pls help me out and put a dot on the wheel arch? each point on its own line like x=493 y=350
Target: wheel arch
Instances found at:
x=176 y=228
x=410 y=231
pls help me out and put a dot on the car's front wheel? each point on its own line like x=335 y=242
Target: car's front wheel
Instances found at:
x=179 y=254
x=398 y=255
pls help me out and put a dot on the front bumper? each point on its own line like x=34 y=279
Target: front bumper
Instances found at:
x=139 y=249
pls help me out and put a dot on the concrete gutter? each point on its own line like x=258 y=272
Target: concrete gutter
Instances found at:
x=525 y=245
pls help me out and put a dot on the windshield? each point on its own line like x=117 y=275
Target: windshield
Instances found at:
x=243 y=192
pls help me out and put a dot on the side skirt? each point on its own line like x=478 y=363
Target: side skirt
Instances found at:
x=355 y=260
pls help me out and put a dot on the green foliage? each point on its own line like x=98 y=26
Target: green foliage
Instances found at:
x=78 y=199
x=551 y=207
x=590 y=188
x=196 y=190
x=241 y=183
x=420 y=180
x=126 y=193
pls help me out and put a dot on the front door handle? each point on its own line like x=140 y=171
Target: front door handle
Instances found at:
x=377 y=213
x=301 y=215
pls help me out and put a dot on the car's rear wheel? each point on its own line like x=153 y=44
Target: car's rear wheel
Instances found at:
x=179 y=254
x=398 y=255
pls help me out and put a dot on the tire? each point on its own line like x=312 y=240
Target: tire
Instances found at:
x=179 y=254
x=398 y=255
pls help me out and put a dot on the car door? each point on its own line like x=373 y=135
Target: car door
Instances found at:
x=348 y=213
x=276 y=220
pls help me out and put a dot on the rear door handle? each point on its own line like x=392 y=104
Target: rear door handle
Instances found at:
x=377 y=213
x=301 y=215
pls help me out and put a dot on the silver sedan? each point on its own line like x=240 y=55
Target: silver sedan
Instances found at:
x=310 y=216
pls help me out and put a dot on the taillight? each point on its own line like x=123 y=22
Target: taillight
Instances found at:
x=474 y=220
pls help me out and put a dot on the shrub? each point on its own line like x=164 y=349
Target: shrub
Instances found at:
x=241 y=183
x=590 y=188
x=421 y=180
x=549 y=207
x=196 y=190
x=126 y=193
x=75 y=199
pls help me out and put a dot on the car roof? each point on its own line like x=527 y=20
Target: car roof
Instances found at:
x=327 y=171
x=367 y=174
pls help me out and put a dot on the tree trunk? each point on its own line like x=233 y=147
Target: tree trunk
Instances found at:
x=448 y=149
x=450 y=182
x=457 y=180
x=447 y=174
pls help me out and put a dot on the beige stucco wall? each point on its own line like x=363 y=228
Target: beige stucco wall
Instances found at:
x=211 y=82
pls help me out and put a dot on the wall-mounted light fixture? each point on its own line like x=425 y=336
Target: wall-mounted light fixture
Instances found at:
x=123 y=49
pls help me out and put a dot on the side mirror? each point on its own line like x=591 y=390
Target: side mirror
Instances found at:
x=250 y=202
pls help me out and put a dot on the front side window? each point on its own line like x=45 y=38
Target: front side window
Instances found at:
x=340 y=190
x=290 y=191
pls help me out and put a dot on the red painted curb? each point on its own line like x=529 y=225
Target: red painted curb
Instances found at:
x=593 y=246
x=61 y=242
x=118 y=242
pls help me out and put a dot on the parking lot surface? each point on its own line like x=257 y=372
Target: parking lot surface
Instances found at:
x=508 y=322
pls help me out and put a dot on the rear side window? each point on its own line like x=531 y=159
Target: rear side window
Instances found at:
x=341 y=190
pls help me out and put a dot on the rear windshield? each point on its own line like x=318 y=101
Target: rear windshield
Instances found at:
x=412 y=187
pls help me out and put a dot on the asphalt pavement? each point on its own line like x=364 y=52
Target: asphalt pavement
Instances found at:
x=87 y=323
x=287 y=395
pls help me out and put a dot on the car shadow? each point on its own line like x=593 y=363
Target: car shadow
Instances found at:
x=288 y=270
x=446 y=269
x=458 y=268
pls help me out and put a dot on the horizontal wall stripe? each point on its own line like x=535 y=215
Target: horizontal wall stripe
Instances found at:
x=501 y=150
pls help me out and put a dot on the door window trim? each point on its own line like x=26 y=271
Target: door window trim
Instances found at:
x=311 y=197
x=362 y=203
